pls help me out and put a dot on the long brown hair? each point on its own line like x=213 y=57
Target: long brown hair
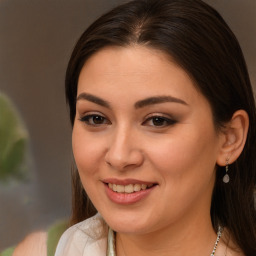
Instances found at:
x=196 y=36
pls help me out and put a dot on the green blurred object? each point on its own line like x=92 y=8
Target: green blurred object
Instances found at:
x=54 y=234
x=7 y=252
x=13 y=142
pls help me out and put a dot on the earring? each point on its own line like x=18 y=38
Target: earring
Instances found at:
x=226 y=176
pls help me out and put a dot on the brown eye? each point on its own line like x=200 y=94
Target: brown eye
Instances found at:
x=159 y=121
x=98 y=119
x=94 y=120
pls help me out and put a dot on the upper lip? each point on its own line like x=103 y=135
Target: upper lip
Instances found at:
x=126 y=181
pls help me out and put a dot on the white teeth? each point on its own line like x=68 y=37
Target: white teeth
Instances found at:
x=137 y=187
x=128 y=188
x=120 y=188
x=143 y=186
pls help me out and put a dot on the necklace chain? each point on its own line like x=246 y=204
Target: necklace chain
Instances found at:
x=111 y=242
x=219 y=233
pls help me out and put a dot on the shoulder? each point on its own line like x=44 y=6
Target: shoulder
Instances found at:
x=33 y=244
x=88 y=237
x=39 y=243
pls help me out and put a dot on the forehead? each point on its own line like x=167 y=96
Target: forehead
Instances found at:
x=135 y=70
x=124 y=60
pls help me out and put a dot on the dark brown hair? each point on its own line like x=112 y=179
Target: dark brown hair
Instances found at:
x=199 y=40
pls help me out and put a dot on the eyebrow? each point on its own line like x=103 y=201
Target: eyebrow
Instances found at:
x=158 y=100
x=94 y=99
x=138 y=104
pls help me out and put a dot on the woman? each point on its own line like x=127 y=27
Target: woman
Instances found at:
x=163 y=119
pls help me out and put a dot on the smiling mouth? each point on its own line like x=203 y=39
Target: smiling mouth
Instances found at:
x=130 y=188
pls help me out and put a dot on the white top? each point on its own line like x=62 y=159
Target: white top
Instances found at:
x=87 y=238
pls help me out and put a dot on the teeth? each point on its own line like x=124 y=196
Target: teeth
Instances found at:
x=120 y=188
x=137 y=187
x=128 y=188
x=143 y=186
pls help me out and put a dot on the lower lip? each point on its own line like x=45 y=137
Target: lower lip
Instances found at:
x=127 y=198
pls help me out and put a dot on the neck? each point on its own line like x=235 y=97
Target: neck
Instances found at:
x=197 y=238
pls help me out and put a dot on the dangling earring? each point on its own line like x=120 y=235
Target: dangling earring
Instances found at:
x=226 y=176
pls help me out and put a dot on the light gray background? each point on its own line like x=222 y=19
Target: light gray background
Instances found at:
x=36 y=39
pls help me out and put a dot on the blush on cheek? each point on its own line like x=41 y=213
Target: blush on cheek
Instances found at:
x=88 y=156
x=85 y=161
x=166 y=156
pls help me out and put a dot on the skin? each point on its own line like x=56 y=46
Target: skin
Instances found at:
x=33 y=244
x=115 y=137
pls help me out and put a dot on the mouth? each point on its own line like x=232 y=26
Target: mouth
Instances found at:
x=130 y=188
x=128 y=191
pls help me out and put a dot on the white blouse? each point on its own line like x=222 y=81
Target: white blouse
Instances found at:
x=87 y=238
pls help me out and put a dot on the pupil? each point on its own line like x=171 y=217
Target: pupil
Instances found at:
x=158 y=121
x=98 y=119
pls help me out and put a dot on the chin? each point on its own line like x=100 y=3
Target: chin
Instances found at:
x=127 y=223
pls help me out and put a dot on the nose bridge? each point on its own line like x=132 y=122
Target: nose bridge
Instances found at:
x=121 y=137
x=123 y=151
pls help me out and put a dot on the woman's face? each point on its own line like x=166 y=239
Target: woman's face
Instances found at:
x=144 y=140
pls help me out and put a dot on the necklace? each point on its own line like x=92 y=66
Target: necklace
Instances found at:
x=219 y=233
x=111 y=242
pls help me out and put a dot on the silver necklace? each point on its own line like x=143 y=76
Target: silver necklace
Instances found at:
x=219 y=233
x=111 y=242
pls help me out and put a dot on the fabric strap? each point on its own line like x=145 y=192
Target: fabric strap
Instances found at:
x=111 y=243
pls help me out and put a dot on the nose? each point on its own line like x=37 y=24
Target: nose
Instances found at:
x=124 y=151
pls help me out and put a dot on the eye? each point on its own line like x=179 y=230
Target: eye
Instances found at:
x=94 y=120
x=159 y=121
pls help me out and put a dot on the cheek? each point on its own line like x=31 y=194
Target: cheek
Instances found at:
x=186 y=167
x=179 y=157
x=87 y=152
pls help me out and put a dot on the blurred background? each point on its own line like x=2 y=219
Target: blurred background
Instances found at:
x=36 y=40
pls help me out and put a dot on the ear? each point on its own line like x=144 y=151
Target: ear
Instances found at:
x=234 y=138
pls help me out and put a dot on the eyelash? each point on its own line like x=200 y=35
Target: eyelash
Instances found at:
x=163 y=120
x=87 y=118
x=91 y=120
